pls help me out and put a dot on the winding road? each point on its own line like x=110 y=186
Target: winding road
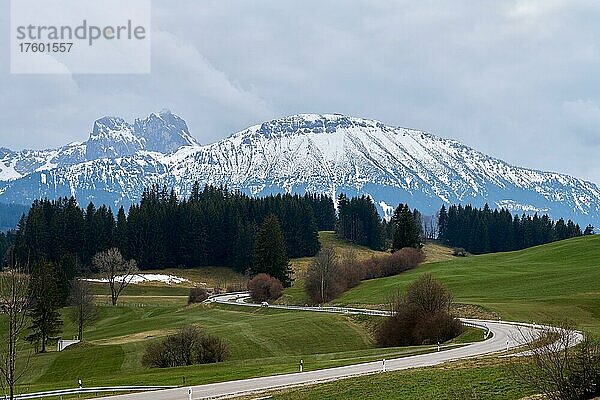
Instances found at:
x=502 y=336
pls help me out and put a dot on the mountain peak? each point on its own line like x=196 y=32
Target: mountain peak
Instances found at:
x=164 y=132
x=108 y=124
x=299 y=124
x=319 y=153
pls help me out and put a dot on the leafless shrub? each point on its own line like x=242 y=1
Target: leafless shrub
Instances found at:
x=351 y=269
x=419 y=316
x=264 y=287
x=186 y=347
x=563 y=365
x=393 y=264
x=197 y=295
x=328 y=276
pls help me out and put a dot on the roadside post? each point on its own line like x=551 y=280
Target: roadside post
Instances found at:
x=301 y=365
x=383 y=365
x=438 y=346
x=189 y=393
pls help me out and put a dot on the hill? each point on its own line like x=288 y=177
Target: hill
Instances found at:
x=547 y=283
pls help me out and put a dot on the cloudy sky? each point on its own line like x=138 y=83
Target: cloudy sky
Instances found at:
x=519 y=80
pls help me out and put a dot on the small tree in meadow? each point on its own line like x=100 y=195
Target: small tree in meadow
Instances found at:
x=116 y=270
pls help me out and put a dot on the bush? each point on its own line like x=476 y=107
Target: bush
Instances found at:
x=197 y=295
x=351 y=270
x=420 y=316
x=393 y=264
x=264 y=287
x=186 y=347
x=559 y=369
x=328 y=276
x=459 y=252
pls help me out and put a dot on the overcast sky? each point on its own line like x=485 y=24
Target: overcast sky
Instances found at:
x=519 y=80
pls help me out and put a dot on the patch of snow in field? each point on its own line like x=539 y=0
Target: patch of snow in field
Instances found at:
x=142 y=278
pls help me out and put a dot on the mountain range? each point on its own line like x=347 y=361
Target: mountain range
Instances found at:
x=328 y=153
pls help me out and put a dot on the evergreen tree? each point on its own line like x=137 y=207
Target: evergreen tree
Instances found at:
x=443 y=224
x=406 y=231
x=359 y=222
x=270 y=256
x=589 y=230
x=120 y=233
x=45 y=299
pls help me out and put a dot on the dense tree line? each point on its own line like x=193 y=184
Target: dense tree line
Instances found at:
x=483 y=231
x=359 y=222
x=214 y=226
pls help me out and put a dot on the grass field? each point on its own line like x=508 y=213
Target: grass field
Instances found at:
x=261 y=342
x=548 y=283
x=462 y=381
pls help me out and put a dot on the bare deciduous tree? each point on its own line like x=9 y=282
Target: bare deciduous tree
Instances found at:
x=82 y=300
x=117 y=271
x=324 y=279
x=13 y=303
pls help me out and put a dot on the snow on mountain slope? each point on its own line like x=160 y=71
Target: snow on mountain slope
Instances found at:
x=308 y=152
x=334 y=153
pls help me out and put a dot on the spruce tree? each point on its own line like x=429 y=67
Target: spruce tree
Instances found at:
x=589 y=230
x=45 y=299
x=443 y=225
x=270 y=256
x=406 y=231
x=120 y=233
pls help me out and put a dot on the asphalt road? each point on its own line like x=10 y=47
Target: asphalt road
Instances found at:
x=504 y=335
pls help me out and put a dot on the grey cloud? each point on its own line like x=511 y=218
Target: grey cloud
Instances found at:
x=519 y=80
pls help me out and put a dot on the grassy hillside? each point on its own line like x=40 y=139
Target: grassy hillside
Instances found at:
x=296 y=295
x=548 y=283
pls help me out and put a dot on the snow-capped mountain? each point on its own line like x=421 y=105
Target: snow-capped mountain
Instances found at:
x=328 y=153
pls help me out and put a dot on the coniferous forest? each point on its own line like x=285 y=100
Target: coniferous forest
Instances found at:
x=359 y=222
x=481 y=231
x=214 y=226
